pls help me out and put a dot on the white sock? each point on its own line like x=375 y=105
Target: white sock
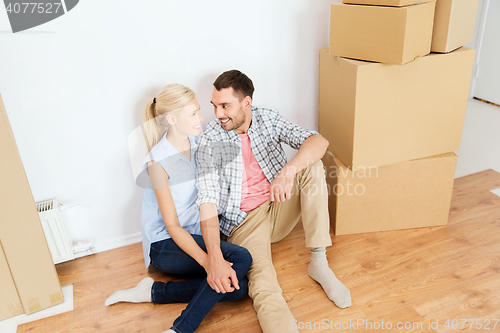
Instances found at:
x=170 y=331
x=139 y=294
x=319 y=271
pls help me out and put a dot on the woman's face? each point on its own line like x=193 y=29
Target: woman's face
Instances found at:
x=189 y=119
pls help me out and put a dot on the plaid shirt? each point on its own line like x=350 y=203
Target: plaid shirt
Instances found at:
x=219 y=160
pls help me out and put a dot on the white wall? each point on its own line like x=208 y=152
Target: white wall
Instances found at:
x=74 y=88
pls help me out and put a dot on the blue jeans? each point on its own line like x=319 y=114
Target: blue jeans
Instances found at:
x=167 y=257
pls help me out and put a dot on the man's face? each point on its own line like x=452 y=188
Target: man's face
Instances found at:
x=229 y=109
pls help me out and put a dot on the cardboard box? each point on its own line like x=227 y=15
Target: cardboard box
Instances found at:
x=10 y=304
x=454 y=24
x=392 y=35
x=377 y=114
x=405 y=195
x=396 y=3
x=21 y=233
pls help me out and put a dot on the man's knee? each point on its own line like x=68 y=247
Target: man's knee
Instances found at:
x=318 y=169
x=315 y=170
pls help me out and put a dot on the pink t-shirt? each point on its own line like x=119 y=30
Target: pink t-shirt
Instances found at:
x=255 y=186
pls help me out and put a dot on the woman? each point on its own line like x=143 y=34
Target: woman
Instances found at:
x=170 y=220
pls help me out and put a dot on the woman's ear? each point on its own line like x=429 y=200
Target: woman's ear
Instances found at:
x=170 y=119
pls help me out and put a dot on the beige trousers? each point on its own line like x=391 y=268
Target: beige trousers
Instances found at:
x=270 y=223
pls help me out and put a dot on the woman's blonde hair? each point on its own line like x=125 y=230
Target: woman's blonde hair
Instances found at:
x=170 y=100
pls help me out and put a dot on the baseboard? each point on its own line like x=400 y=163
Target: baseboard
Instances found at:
x=117 y=242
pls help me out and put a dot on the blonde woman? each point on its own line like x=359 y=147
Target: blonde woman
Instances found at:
x=170 y=220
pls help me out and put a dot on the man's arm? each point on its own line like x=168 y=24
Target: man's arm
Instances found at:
x=311 y=151
x=311 y=148
x=220 y=275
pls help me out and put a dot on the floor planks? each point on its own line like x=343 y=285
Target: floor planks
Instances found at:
x=418 y=275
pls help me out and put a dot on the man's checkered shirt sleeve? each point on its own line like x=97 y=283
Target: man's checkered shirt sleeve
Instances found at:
x=207 y=174
x=290 y=133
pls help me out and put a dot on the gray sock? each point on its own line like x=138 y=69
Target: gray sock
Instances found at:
x=319 y=271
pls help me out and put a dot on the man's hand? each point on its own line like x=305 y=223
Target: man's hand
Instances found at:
x=220 y=276
x=281 y=187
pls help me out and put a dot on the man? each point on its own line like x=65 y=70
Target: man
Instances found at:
x=248 y=190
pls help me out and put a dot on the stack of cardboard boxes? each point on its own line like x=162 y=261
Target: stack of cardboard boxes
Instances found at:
x=392 y=111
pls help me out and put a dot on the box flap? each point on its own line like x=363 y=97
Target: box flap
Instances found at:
x=10 y=304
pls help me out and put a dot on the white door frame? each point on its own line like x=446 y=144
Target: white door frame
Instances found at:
x=478 y=40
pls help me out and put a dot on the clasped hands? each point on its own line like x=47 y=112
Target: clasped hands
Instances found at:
x=220 y=276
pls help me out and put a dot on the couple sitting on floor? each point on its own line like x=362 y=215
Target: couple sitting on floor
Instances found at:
x=215 y=202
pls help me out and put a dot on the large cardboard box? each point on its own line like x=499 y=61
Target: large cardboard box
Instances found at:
x=10 y=304
x=21 y=233
x=454 y=23
x=396 y=3
x=405 y=195
x=392 y=35
x=377 y=114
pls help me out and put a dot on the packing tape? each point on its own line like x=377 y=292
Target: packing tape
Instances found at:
x=14 y=309
x=33 y=305
x=56 y=298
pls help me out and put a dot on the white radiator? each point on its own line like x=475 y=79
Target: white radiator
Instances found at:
x=57 y=239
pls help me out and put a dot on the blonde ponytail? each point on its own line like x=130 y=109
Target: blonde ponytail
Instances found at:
x=171 y=99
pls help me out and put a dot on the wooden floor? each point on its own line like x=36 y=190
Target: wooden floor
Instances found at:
x=419 y=275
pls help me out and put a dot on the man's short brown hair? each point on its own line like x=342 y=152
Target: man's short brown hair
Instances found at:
x=241 y=84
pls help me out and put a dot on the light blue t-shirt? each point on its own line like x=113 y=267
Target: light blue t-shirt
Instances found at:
x=182 y=184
